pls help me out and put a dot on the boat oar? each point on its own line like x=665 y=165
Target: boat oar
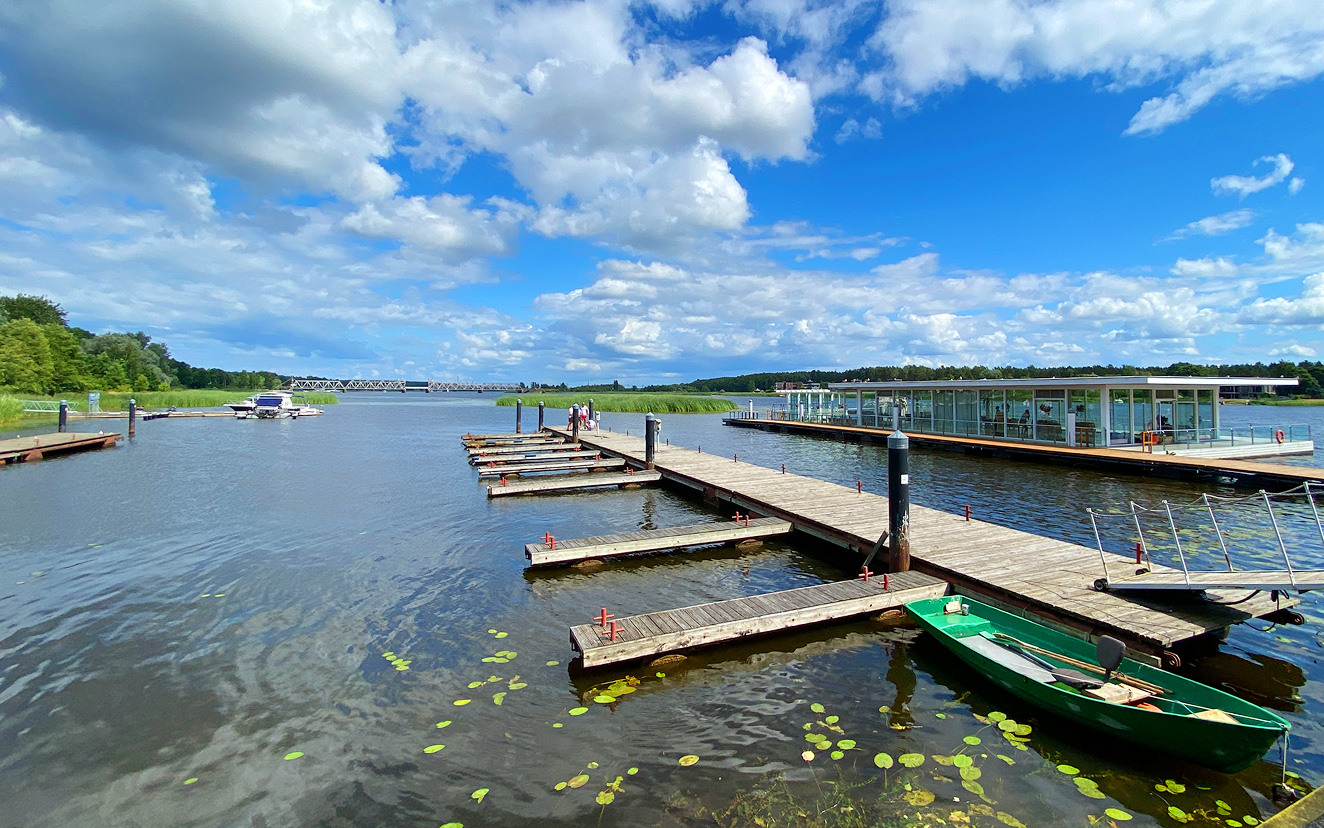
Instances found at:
x=1084 y=665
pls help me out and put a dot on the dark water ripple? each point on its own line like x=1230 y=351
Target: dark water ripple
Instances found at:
x=216 y=594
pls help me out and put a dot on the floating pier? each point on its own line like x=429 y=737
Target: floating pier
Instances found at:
x=507 y=461
x=563 y=465
x=1008 y=568
x=641 y=636
x=570 y=482
x=41 y=446
x=651 y=540
x=548 y=448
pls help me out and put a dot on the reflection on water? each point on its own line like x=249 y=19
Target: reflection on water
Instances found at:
x=217 y=595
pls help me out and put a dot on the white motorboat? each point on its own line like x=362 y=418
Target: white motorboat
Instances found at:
x=277 y=405
x=243 y=408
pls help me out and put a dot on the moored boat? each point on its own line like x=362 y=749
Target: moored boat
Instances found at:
x=1113 y=695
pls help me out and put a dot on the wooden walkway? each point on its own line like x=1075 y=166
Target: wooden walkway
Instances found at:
x=651 y=540
x=552 y=447
x=642 y=636
x=587 y=464
x=22 y=449
x=1011 y=569
x=1243 y=472
x=1239 y=579
x=570 y=482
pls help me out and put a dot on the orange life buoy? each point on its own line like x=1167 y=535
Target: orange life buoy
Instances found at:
x=1280 y=436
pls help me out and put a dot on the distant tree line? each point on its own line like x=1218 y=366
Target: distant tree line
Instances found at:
x=1310 y=375
x=40 y=353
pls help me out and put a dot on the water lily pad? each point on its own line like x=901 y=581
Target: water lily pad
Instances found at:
x=1007 y=819
x=882 y=760
x=557 y=724
x=446 y=723
x=1250 y=820
x=631 y=771
x=961 y=760
x=448 y=824
x=578 y=711
x=1068 y=770
x=817 y=708
x=388 y=654
x=502 y=635
x=497 y=698
x=971 y=773
x=940 y=715
x=1178 y=814
x=190 y=780
x=1117 y=814
x=845 y=744
x=919 y=797
x=474 y=684
x=1160 y=787
x=433 y=748
x=832 y=719
x=1092 y=793
x=1174 y=787
x=604 y=699
x=1007 y=726
x=837 y=754
x=1007 y=759
x=660 y=675
x=972 y=740
x=1083 y=783
x=479 y=794
x=605 y=798
x=687 y=760
x=1023 y=730
x=518 y=685
x=295 y=754
x=592 y=765
x=824 y=745
x=807 y=755
x=942 y=759
x=553 y=663
x=973 y=787
x=462 y=702
x=491 y=632
x=911 y=760
x=995 y=716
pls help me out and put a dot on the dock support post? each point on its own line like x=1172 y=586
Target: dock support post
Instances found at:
x=519 y=415
x=64 y=415
x=591 y=412
x=133 y=416
x=574 y=425
x=650 y=439
x=542 y=410
x=898 y=501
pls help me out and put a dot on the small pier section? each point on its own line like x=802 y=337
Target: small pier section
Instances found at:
x=41 y=446
x=652 y=540
x=643 y=636
x=563 y=465
x=571 y=482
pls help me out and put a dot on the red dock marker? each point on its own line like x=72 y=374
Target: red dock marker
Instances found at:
x=783 y=468
x=885 y=580
x=603 y=618
x=864 y=573
x=735 y=458
x=549 y=539
x=967 y=511
x=503 y=480
x=859 y=486
x=614 y=630
x=1140 y=550
x=736 y=517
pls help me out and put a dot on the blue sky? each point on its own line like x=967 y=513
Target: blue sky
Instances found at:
x=649 y=192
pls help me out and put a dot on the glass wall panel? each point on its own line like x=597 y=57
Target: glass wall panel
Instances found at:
x=992 y=413
x=1205 y=413
x=1088 y=425
x=1050 y=415
x=903 y=400
x=1119 y=416
x=944 y=411
x=967 y=412
x=923 y=407
x=1019 y=415
x=1142 y=413
x=870 y=408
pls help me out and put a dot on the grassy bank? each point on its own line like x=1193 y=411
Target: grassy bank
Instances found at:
x=1287 y=402
x=639 y=403
x=184 y=398
x=11 y=411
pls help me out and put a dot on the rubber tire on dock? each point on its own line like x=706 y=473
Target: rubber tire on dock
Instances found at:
x=1100 y=584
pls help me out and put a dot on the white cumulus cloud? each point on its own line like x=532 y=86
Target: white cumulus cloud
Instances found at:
x=1244 y=185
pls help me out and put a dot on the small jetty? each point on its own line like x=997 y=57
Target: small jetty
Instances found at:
x=613 y=640
x=41 y=446
x=553 y=551
x=561 y=465
x=548 y=448
x=571 y=482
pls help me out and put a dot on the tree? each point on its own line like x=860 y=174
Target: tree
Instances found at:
x=37 y=308
x=25 y=358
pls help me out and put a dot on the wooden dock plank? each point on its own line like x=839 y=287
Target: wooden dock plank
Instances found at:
x=567 y=483
x=652 y=540
x=725 y=621
x=40 y=446
x=1046 y=576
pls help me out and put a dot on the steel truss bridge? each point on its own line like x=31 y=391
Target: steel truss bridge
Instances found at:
x=341 y=386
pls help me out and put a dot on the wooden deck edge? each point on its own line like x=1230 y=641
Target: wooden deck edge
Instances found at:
x=539 y=555
x=728 y=631
x=1299 y=814
x=579 y=481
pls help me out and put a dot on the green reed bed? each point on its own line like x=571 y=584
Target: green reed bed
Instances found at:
x=11 y=411
x=636 y=403
x=194 y=398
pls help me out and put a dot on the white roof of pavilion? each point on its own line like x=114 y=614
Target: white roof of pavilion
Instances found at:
x=1068 y=382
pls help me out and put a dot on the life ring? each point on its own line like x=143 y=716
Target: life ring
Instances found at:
x=1279 y=436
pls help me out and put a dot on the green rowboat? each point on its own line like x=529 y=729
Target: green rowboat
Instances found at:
x=1152 y=707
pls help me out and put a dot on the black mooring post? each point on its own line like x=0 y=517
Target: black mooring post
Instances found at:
x=574 y=425
x=590 y=409
x=650 y=439
x=898 y=501
x=64 y=415
x=542 y=410
x=519 y=415
x=133 y=416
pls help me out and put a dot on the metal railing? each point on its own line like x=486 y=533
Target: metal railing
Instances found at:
x=47 y=406
x=1050 y=432
x=1227 y=436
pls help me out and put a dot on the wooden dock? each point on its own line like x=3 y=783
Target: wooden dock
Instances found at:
x=548 y=448
x=642 y=636
x=652 y=540
x=521 y=440
x=41 y=446
x=588 y=464
x=1127 y=461
x=1006 y=567
x=571 y=482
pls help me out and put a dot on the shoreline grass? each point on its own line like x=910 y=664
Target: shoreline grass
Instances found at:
x=1287 y=402
x=636 y=403
x=11 y=411
x=181 y=398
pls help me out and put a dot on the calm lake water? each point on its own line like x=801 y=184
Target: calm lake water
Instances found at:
x=217 y=595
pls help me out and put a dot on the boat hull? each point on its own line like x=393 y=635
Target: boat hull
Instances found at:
x=1221 y=746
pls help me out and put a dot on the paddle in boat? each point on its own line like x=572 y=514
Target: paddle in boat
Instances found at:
x=1095 y=686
